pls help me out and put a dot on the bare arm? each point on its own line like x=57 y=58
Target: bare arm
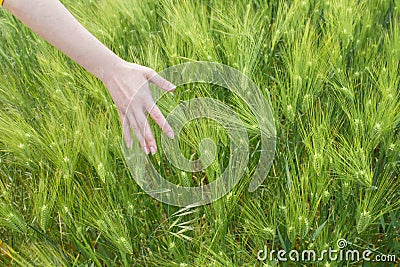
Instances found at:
x=53 y=22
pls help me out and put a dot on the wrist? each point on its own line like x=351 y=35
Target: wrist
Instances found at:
x=109 y=70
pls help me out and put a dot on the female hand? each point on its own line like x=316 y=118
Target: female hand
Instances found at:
x=129 y=87
x=128 y=83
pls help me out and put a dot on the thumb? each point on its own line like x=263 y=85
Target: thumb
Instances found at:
x=156 y=79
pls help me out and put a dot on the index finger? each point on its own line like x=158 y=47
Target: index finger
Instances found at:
x=159 y=118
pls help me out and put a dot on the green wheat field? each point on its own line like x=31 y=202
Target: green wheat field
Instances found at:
x=330 y=71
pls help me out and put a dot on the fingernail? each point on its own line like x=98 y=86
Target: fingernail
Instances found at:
x=170 y=134
x=173 y=87
x=146 y=150
x=153 y=150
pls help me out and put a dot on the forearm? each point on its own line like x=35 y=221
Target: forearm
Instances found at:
x=53 y=22
x=128 y=83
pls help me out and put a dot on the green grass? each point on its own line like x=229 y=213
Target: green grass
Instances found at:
x=332 y=72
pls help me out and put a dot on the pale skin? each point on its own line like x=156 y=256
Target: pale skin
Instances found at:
x=128 y=83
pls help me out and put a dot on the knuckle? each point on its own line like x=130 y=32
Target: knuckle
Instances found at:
x=151 y=143
x=142 y=126
x=150 y=72
x=150 y=106
x=165 y=84
x=148 y=135
x=157 y=116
